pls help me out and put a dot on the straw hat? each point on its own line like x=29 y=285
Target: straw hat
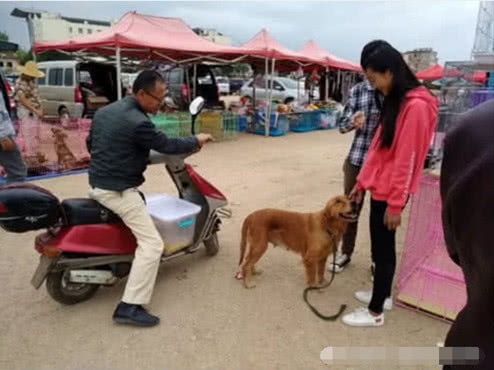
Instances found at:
x=31 y=69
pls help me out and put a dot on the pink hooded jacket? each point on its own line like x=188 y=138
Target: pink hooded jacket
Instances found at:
x=392 y=174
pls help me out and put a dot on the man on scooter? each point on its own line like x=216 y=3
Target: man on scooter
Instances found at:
x=119 y=142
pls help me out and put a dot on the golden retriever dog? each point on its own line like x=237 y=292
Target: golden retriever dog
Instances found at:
x=312 y=235
x=66 y=158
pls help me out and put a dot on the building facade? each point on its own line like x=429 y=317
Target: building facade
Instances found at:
x=47 y=26
x=213 y=35
x=420 y=59
x=8 y=57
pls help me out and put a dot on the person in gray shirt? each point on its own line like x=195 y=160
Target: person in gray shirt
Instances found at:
x=10 y=156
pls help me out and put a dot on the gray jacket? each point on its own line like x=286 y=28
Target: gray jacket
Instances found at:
x=119 y=142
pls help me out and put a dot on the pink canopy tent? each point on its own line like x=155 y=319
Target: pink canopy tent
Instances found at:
x=432 y=73
x=145 y=36
x=314 y=51
x=264 y=45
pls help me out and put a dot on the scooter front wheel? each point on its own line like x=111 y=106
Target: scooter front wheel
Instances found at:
x=212 y=245
x=65 y=292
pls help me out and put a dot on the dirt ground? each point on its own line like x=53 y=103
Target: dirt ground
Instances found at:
x=208 y=320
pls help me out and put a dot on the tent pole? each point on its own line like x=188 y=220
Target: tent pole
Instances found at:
x=119 y=74
x=195 y=80
x=326 y=92
x=266 y=121
x=271 y=93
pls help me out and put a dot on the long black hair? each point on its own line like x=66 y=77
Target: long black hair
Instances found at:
x=380 y=56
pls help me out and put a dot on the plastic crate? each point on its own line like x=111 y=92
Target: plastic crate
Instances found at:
x=175 y=220
x=278 y=125
x=306 y=121
x=328 y=119
x=243 y=122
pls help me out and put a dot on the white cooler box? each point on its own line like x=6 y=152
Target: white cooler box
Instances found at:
x=175 y=220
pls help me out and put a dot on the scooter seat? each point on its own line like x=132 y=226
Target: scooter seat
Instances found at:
x=83 y=211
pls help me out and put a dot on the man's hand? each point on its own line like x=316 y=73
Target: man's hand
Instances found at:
x=357 y=195
x=392 y=221
x=358 y=120
x=203 y=139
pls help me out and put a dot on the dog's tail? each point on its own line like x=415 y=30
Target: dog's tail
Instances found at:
x=243 y=242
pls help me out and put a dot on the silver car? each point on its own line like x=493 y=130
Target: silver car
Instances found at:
x=285 y=90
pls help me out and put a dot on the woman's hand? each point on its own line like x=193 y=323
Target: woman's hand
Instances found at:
x=392 y=221
x=357 y=195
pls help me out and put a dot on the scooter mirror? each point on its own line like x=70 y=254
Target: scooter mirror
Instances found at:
x=196 y=106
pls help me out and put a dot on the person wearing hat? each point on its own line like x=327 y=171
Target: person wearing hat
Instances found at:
x=28 y=104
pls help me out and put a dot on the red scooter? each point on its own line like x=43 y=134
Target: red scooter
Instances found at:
x=86 y=245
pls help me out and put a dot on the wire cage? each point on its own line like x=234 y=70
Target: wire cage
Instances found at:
x=463 y=86
x=428 y=280
x=51 y=147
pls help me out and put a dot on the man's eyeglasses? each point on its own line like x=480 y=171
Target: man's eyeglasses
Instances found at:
x=159 y=100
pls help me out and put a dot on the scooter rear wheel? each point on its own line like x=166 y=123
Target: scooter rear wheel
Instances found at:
x=65 y=292
x=212 y=245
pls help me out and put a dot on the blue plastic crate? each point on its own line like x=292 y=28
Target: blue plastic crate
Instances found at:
x=307 y=121
x=277 y=127
x=242 y=123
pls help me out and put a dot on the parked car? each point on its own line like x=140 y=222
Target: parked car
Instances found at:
x=180 y=85
x=10 y=89
x=236 y=84
x=76 y=89
x=223 y=85
x=284 y=90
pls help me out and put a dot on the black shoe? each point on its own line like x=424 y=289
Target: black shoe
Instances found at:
x=134 y=314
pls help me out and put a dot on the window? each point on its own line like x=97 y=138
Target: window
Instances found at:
x=80 y=31
x=55 y=77
x=71 y=29
x=1 y=64
x=42 y=80
x=277 y=86
x=89 y=31
x=69 y=77
x=9 y=64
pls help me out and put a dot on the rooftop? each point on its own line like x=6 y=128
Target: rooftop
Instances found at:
x=24 y=13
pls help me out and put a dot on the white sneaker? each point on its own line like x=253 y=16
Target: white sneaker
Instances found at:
x=340 y=262
x=366 y=296
x=362 y=317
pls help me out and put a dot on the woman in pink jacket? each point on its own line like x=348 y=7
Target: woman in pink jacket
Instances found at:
x=392 y=167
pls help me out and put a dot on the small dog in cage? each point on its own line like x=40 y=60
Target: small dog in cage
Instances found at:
x=66 y=158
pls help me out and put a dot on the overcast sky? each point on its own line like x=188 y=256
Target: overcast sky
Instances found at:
x=342 y=28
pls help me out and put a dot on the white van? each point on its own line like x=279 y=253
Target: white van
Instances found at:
x=76 y=89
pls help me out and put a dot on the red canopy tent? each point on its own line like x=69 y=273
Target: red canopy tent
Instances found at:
x=264 y=45
x=432 y=73
x=145 y=36
x=312 y=50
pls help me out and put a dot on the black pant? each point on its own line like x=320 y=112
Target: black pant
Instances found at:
x=383 y=247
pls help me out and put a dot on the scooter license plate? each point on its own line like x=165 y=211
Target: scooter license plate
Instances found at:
x=44 y=267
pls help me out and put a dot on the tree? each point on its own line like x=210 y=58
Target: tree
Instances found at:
x=4 y=36
x=24 y=56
